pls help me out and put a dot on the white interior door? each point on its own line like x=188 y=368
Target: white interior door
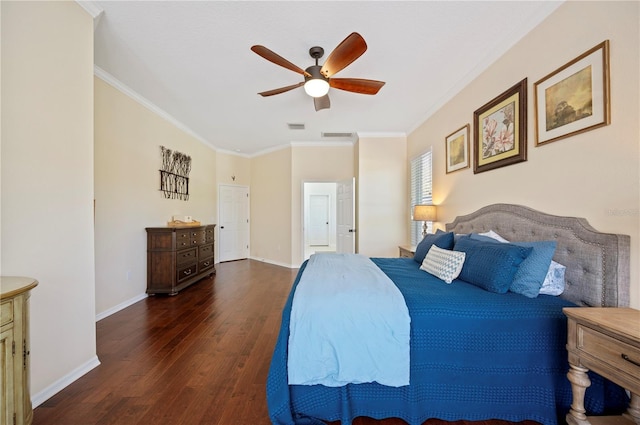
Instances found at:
x=233 y=230
x=346 y=240
x=318 y=220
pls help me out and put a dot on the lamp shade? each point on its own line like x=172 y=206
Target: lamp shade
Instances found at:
x=424 y=213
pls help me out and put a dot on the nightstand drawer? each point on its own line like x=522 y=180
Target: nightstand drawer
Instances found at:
x=406 y=251
x=615 y=353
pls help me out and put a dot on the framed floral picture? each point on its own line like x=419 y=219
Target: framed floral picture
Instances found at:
x=500 y=130
x=575 y=97
x=457 y=148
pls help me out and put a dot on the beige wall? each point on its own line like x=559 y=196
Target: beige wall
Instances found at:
x=128 y=137
x=382 y=195
x=229 y=166
x=594 y=174
x=47 y=182
x=271 y=207
x=328 y=163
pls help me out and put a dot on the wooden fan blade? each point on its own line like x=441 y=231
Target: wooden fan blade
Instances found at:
x=322 y=102
x=278 y=60
x=349 y=50
x=356 y=85
x=281 y=89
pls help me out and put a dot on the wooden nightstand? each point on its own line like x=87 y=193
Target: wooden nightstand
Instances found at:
x=407 y=251
x=607 y=341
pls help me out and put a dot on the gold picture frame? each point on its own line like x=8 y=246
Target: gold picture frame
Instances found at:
x=575 y=97
x=457 y=149
x=500 y=130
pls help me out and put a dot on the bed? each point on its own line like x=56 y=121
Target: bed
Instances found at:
x=477 y=354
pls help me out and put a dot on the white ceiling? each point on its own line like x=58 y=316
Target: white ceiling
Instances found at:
x=191 y=61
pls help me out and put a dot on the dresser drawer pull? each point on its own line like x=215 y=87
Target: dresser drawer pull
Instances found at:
x=187 y=272
x=627 y=358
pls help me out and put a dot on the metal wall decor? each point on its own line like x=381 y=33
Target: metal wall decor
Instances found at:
x=174 y=174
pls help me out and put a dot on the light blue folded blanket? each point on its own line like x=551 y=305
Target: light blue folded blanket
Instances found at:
x=349 y=324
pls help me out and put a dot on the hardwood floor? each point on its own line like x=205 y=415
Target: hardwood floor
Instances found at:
x=200 y=357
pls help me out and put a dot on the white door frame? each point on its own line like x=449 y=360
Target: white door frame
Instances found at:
x=334 y=237
x=303 y=236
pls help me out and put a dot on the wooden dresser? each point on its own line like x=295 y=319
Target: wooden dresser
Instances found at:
x=178 y=257
x=15 y=404
x=607 y=341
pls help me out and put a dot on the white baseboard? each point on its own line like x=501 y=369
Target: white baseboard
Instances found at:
x=275 y=263
x=62 y=383
x=120 y=306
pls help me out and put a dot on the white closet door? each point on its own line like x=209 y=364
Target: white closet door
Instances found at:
x=233 y=230
x=346 y=240
x=319 y=220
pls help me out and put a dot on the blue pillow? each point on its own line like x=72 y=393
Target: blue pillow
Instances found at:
x=533 y=270
x=490 y=265
x=441 y=240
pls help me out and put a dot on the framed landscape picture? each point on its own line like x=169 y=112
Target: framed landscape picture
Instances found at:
x=574 y=98
x=457 y=149
x=500 y=130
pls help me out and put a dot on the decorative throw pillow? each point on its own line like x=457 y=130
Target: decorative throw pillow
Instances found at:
x=442 y=240
x=490 y=265
x=533 y=270
x=442 y=263
x=537 y=271
x=554 y=281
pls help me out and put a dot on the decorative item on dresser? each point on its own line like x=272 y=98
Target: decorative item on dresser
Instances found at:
x=607 y=341
x=407 y=251
x=178 y=257
x=15 y=405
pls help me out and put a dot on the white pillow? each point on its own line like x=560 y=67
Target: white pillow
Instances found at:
x=554 y=281
x=493 y=235
x=442 y=263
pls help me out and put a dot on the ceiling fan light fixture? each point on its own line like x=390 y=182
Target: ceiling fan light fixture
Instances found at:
x=316 y=87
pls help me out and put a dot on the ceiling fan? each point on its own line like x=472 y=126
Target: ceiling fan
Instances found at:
x=317 y=79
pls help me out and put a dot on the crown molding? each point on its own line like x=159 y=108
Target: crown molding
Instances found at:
x=234 y=153
x=119 y=85
x=332 y=143
x=378 y=135
x=270 y=150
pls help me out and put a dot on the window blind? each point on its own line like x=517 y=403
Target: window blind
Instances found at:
x=421 y=175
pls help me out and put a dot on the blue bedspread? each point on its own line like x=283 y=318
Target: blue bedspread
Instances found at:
x=349 y=324
x=475 y=355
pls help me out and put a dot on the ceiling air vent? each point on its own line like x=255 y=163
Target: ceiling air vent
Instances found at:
x=295 y=126
x=339 y=135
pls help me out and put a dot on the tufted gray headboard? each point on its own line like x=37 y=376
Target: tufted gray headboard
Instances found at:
x=597 y=263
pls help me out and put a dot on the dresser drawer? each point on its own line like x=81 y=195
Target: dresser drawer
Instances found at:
x=187 y=256
x=205 y=264
x=609 y=350
x=208 y=234
x=186 y=272
x=183 y=238
x=6 y=312
x=205 y=251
